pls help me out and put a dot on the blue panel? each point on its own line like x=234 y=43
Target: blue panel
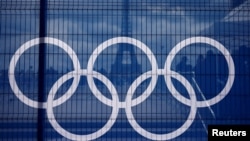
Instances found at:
x=123 y=70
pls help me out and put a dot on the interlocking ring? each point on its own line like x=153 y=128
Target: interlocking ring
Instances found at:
x=92 y=136
x=170 y=135
x=229 y=61
x=137 y=44
x=28 y=45
x=115 y=103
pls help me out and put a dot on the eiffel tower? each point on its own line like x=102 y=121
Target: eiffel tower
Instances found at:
x=125 y=68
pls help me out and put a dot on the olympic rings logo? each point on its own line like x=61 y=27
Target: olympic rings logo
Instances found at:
x=115 y=103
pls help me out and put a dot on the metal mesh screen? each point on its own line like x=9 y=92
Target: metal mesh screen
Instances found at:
x=122 y=70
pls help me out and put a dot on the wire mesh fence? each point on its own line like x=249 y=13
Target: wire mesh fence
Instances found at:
x=122 y=70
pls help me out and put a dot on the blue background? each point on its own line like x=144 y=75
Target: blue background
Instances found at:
x=160 y=25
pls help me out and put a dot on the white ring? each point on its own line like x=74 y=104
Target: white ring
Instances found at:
x=170 y=135
x=21 y=50
x=72 y=136
x=218 y=46
x=105 y=45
